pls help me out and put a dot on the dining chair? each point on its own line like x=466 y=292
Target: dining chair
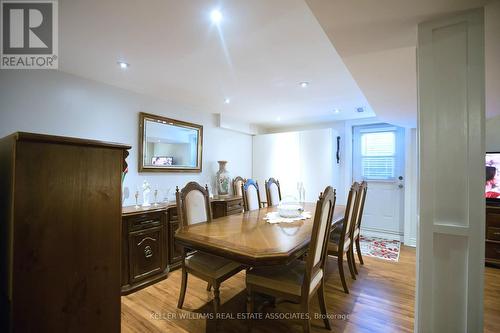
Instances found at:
x=193 y=207
x=363 y=188
x=237 y=183
x=273 y=192
x=340 y=244
x=251 y=195
x=299 y=281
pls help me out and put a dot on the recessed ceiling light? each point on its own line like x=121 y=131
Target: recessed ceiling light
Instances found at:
x=304 y=84
x=227 y=101
x=123 y=65
x=336 y=110
x=216 y=16
x=278 y=118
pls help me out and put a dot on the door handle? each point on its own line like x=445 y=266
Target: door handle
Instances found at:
x=400 y=186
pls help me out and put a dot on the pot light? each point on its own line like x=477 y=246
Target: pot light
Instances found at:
x=304 y=84
x=336 y=111
x=123 y=65
x=278 y=118
x=216 y=16
x=227 y=101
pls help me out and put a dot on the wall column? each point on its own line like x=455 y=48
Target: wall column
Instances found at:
x=450 y=255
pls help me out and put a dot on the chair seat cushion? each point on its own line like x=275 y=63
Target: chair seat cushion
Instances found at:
x=338 y=228
x=210 y=265
x=333 y=244
x=283 y=278
x=335 y=238
x=333 y=248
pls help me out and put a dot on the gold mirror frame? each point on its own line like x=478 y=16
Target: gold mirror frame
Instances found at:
x=145 y=168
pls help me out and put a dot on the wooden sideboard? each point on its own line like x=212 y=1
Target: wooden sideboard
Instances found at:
x=492 y=246
x=226 y=205
x=144 y=251
x=149 y=250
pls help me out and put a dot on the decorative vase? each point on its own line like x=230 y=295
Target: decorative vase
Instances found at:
x=223 y=179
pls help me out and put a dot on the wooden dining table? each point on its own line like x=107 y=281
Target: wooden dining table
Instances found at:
x=249 y=239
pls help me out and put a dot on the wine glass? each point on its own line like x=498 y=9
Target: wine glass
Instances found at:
x=167 y=195
x=136 y=199
x=156 y=196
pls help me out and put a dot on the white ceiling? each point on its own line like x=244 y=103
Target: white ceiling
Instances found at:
x=346 y=50
x=377 y=41
x=176 y=53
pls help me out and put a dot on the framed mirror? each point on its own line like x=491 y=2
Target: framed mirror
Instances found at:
x=169 y=145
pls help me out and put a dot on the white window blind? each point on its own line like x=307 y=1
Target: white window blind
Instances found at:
x=378 y=155
x=378 y=151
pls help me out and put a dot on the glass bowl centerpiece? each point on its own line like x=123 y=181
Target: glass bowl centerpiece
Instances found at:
x=290 y=207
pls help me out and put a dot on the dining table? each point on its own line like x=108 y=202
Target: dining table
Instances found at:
x=251 y=240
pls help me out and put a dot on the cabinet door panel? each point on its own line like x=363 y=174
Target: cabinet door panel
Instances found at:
x=146 y=255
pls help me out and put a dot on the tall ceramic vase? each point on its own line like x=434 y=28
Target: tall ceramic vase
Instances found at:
x=223 y=179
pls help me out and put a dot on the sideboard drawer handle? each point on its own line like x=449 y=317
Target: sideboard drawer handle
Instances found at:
x=147 y=221
x=148 y=252
x=145 y=239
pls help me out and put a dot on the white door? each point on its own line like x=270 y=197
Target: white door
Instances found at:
x=378 y=158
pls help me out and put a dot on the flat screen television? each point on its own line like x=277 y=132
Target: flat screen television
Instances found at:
x=162 y=160
x=492 y=185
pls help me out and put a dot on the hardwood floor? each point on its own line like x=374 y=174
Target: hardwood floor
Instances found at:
x=380 y=300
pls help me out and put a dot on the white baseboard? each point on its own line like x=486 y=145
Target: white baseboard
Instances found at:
x=381 y=233
x=411 y=242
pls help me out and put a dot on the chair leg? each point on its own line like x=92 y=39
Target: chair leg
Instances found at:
x=322 y=305
x=183 y=288
x=353 y=260
x=341 y=273
x=358 y=249
x=209 y=286
x=306 y=323
x=350 y=264
x=250 y=307
x=250 y=300
x=216 y=298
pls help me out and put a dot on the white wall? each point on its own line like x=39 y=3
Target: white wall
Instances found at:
x=342 y=172
x=291 y=157
x=338 y=129
x=493 y=134
x=53 y=102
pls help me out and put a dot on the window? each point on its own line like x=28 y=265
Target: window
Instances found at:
x=378 y=155
x=376 y=152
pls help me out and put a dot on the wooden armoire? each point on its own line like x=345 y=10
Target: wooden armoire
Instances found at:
x=60 y=234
